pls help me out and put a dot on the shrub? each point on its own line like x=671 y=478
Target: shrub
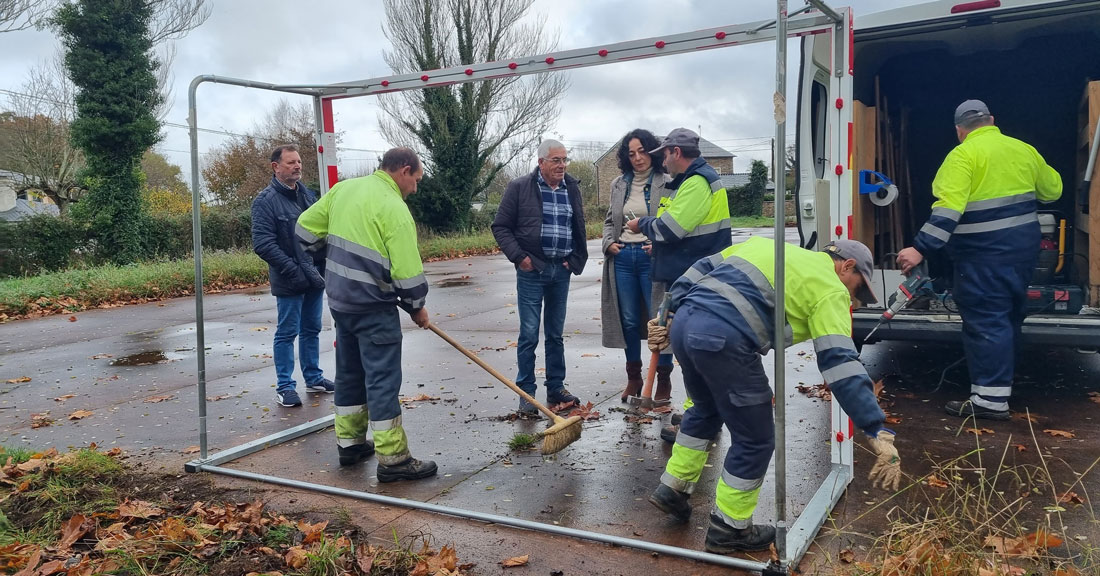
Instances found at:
x=482 y=220
x=41 y=243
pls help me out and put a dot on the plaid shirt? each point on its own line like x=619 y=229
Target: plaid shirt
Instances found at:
x=557 y=218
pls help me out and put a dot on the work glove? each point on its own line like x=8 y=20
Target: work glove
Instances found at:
x=886 y=473
x=658 y=335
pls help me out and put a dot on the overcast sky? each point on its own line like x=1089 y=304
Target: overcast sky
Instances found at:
x=725 y=93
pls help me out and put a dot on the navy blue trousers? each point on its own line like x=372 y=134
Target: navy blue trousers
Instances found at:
x=992 y=299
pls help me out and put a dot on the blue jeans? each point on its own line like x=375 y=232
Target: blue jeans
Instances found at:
x=537 y=292
x=299 y=317
x=635 y=293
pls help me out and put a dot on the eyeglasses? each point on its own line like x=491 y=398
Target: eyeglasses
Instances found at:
x=556 y=160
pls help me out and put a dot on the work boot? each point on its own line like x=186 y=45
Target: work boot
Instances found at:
x=967 y=408
x=352 y=454
x=676 y=419
x=668 y=433
x=664 y=385
x=633 y=380
x=527 y=409
x=672 y=502
x=561 y=396
x=725 y=539
x=411 y=469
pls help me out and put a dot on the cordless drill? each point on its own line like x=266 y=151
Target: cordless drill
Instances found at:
x=917 y=280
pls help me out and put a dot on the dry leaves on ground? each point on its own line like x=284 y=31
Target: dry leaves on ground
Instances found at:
x=420 y=398
x=586 y=412
x=515 y=561
x=41 y=420
x=936 y=482
x=1059 y=433
x=18 y=380
x=1094 y=397
x=1027 y=546
x=101 y=356
x=192 y=450
x=80 y=414
x=816 y=391
x=979 y=431
x=156 y=399
x=64 y=398
x=1070 y=498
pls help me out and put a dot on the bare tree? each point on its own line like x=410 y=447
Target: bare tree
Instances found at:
x=22 y=14
x=468 y=132
x=37 y=134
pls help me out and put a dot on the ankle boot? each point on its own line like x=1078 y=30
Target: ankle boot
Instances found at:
x=664 y=384
x=633 y=380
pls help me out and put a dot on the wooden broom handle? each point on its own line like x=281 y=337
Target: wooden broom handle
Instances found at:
x=491 y=370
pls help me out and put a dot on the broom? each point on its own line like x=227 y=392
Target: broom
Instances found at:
x=555 y=438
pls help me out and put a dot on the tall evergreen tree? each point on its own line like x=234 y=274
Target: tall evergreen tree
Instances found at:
x=108 y=50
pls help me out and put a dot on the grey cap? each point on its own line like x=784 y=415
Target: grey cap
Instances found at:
x=865 y=264
x=970 y=110
x=679 y=137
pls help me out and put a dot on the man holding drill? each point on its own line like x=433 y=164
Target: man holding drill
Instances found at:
x=724 y=316
x=986 y=192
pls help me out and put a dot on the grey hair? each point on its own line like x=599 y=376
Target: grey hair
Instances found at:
x=547 y=145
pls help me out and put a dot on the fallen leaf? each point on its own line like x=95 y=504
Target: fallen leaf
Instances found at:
x=1067 y=570
x=586 y=412
x=74 y=529
x=219 y=397
x=41 y=420
x=1026 y=416
x=935 y=482
x=420 y=398
x=847 y=556
x=1059 y=433
x=296 y=557
x=516 y=561
x=138 y=509
x=19 y=380
x=1094 y=397
x=893 y=420
x=979 y=431
x=666 y=409
x=79 y=414
x=1070 y=498
x=155 y=399
x=72 y=318
x=101 y=356
x=192 y=450
x=880 y=385
x=1020 y=447
x=260 y=329
x=64 y=398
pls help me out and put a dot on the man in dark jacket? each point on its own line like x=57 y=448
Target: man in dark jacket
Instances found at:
x=540 y=228
x=297 y=278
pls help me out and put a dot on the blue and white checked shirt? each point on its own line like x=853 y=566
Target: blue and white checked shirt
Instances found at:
x=557 y=218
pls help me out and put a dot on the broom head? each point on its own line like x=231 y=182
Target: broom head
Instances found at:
x=563 y=433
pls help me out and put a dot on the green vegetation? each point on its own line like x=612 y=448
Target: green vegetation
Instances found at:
x=79 y=289
x=522 y=441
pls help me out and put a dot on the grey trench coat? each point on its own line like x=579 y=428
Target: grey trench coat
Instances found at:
x=612 y=227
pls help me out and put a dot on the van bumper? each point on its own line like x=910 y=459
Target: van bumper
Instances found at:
x=1078 y=331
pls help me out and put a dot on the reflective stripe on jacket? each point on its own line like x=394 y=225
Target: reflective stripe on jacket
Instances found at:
x=373 y=257
x=692 y=222
x=737 y=284
x=986 y=192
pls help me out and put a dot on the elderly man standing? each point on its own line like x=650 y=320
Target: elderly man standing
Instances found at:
x=297 y=278
x=374 y=268
x=540 y=228
x=986 y=192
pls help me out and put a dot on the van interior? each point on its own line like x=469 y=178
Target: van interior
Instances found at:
x=1031 y=70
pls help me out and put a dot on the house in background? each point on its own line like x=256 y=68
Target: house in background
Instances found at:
x=15 y=207
x=739 y=179
x=607 y=165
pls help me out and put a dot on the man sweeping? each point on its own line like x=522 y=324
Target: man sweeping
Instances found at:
x=724 y=309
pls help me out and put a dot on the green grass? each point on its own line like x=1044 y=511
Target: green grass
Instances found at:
x=753 y=222
x=280 y=534
x=79 y=289
x=522 y=441
x=17 y=455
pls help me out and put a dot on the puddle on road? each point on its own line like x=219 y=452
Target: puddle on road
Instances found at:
x=453 y=282
x=147 y=358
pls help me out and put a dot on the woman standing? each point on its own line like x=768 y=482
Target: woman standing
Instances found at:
x=628 y=297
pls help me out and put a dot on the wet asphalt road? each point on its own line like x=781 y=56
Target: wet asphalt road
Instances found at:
x=134 y=369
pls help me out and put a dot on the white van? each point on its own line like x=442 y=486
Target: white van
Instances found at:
x=1031 y=62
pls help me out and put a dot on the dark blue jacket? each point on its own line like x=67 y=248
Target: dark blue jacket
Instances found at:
x=275 y=211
